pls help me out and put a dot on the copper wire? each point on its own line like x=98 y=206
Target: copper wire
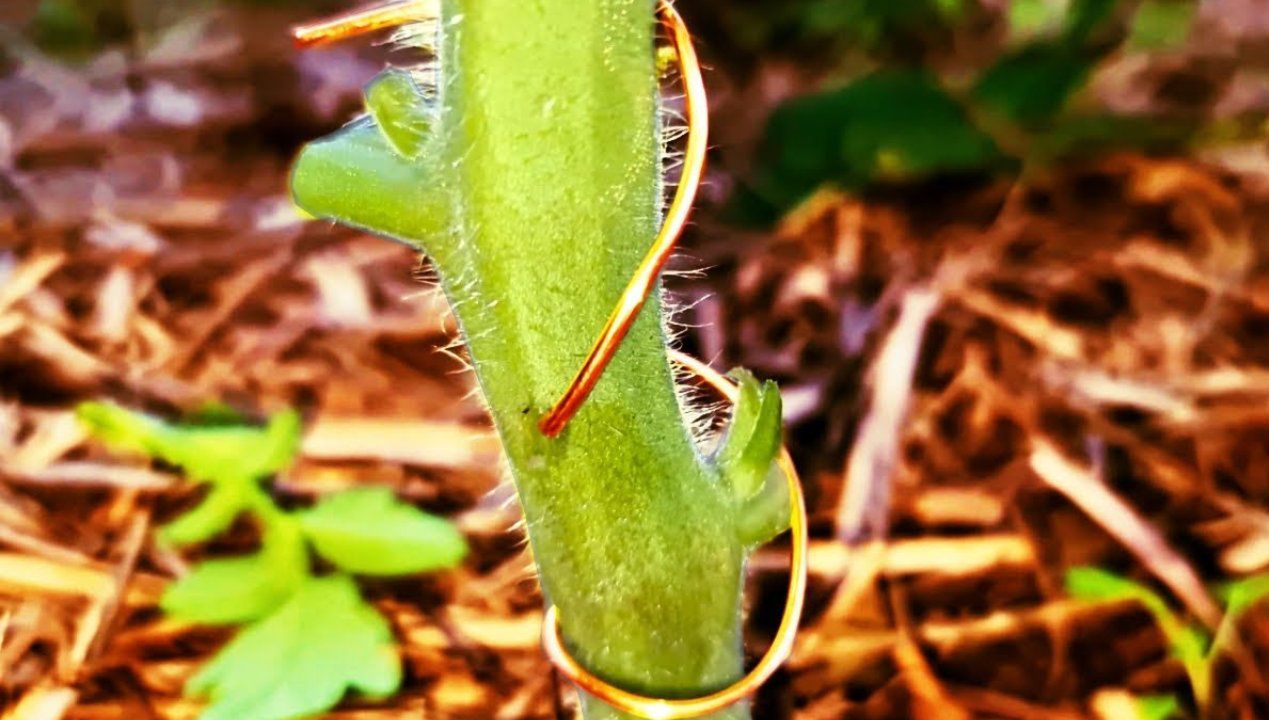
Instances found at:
x=645 y=277
x=676 y=709
x=363 y=20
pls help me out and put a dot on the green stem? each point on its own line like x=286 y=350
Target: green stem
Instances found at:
x=536 y=195
x=550 y=116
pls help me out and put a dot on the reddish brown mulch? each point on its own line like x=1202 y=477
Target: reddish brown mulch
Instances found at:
x=1012 y=380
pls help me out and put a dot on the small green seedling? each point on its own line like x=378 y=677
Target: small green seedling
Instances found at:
x=307 y=638
x=1187 y=641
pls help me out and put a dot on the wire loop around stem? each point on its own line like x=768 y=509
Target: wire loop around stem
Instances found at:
x=781 y=645
x=630 y=303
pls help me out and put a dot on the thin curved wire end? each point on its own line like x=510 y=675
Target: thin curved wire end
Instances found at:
x=678 y=709
x=364 y=20
x=644 y=280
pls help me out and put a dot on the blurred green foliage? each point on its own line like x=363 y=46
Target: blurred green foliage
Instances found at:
x=1187 y=641
x=899 y=118
x=75 y=30
x=307 y=638
x=1158 y=707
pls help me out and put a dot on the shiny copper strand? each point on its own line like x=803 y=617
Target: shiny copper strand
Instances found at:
x=645 y=277
x=364 y=20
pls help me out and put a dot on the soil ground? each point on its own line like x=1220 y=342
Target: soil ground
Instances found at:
x=1011 y=381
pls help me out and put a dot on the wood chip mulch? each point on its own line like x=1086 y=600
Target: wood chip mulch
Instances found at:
x=1010 y=380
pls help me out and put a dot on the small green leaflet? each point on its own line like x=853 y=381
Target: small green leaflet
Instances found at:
x=302 y=659
x=1157 y=707
x=400 y=110
x=241 y=589
x=219 y=453
x=370 y=532
x=1188 y=644
x=1240 y=595
x=211 y=517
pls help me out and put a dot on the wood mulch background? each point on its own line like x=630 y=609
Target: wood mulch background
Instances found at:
x=1010 y=380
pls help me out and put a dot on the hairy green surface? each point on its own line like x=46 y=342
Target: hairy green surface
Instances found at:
x=536 y=193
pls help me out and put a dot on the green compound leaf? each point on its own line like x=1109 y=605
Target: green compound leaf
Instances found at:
x=370 y=532
x=241 y=589
x=401 y=111
x=206 y=454
x=301 y=660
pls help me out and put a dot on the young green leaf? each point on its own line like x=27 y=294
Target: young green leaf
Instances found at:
x=370 y=532
x=753 y=438
x=121 y=429
x=744 y=416
x=243 y=588
x=212 y=516
x=400 y=110
x=1243 y=593
x=1031 y=85
x=357 y=177
x=1157 y=707
x=206 y=454
x=1187 y=643
x=887 y=125
x=766 y=513
x=301 y=660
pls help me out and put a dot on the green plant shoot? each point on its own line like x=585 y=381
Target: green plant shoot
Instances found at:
x=531 y=176
x=306 y=639
x=1187 y=642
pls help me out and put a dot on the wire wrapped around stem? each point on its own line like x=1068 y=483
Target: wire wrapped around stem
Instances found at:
x=781 y=645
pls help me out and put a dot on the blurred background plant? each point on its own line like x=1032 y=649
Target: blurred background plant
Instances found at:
x=913 y=90
x=306 y=638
